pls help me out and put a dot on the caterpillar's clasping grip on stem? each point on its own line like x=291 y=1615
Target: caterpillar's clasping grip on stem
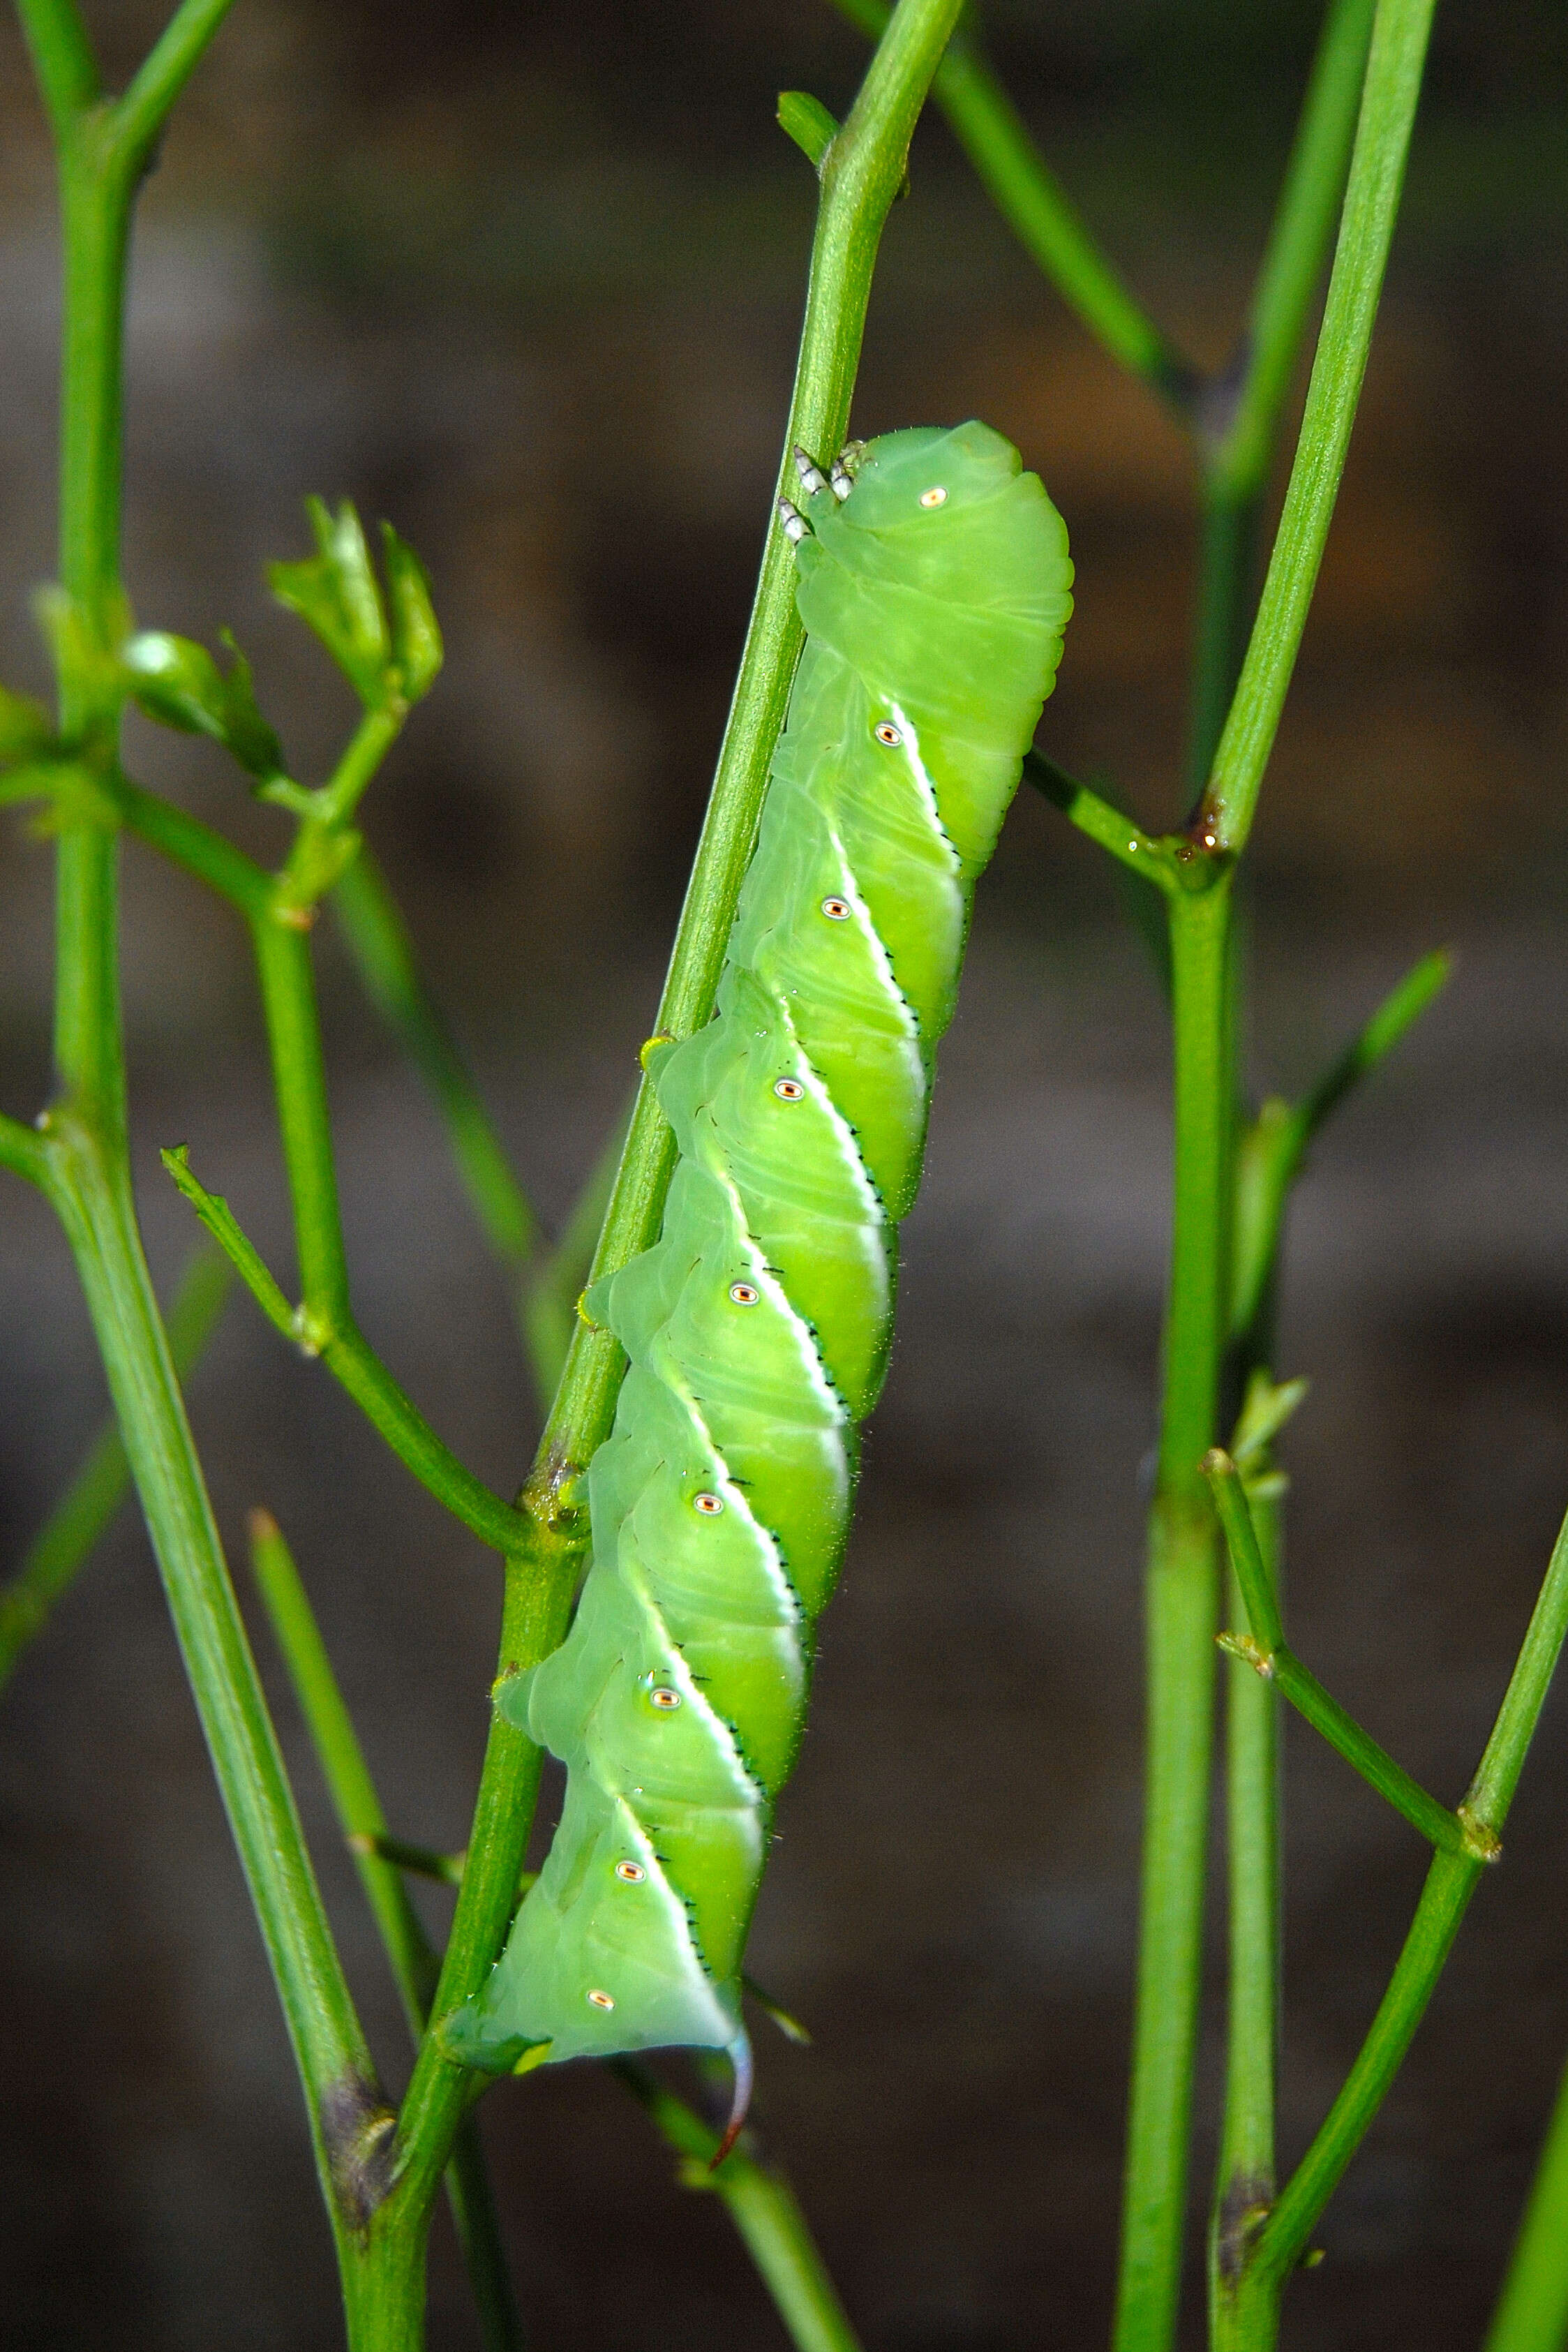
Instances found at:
x=933 y=589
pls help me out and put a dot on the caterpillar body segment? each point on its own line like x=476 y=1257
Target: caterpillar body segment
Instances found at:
x=933 y=599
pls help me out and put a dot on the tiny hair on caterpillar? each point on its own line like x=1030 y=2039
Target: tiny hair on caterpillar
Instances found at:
x=934 y=584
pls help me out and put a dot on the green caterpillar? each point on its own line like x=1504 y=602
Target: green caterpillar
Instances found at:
x=934 y=600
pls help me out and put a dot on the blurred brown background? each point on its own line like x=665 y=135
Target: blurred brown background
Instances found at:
x=528 y=283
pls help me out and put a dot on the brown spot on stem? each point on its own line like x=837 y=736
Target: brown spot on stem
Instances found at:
x=1243 y=2210
x=359 y=2130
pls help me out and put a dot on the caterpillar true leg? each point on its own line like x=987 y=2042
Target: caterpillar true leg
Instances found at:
x=812 y=477
x=758 y=1326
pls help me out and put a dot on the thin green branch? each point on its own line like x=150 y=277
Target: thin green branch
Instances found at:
x=21 y=1150
x=1275 y=1147
x=185 y=840
x=377 y=937
x=1245 y=2177
x=323 y=1323
x=1042 y=216
x=374 y=738
x=1450 y=1884
x=62 y=59
x=1393 y=83
x=860 y=177
x=1140 y=853
x=1268 y=1653
x=90 y=1178
x=763 y=2208
x=342 y=1763
x=349 y=2124
x=418 y=1861
x=1531 y=2315
x=1246 y=1556
x=556 y=1281
x=409 y=1954
x=285 y=970
x=1398 y=1012
x=63 y=1545
x=1241 y=410
x=354 y=1362
x=140 y=115
x=1298 y=248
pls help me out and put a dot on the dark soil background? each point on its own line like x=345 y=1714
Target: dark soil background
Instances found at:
x=528 y=284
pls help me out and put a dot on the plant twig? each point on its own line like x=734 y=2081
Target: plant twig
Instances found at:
x=377 y=937
x=350 y=1357
x=66 y=1539
x=20 y=1150
x=1240 y=411
x=1531 y=2315
x=1392 y=81
x=1275 y=1147
x=1245 y=2177
x=412 y=1960
x=1267 y=1652
x=418 y=1861
x=350 y=2126
x=140 y=115
x=1036 y=207
x=1182 y=1583
x=762 y=2205
x=87 y=1165
x=556 y=1281
x=1152 y=860
x=1450 y=1883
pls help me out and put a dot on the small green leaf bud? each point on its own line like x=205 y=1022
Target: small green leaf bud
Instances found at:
x=335 y=593
x=177 y=682
x=416 y=647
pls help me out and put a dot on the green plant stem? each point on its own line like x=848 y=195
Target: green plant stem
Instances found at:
x=336 y=803
x=1244 y=2185
x=86 y=1168
x=1271 y=1657
x=420 y=1861
x=860 y=176
x=762 y=2206
x=556 y=1281
x=1450 y=1883
x=1392 y=84
x=324 y=1323
x=1304 y=226
x=1151 y=859
x=1182 y=1607
x=1033 y=203
x=409 y=1951
x=1531 y=2315
x=1240 y=415
x=63 y=1545
x=377 y=938
x=91 y=1195
x=163 y=74
x=1274 y=1149
x=21 y=1151
x=357 y=1367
